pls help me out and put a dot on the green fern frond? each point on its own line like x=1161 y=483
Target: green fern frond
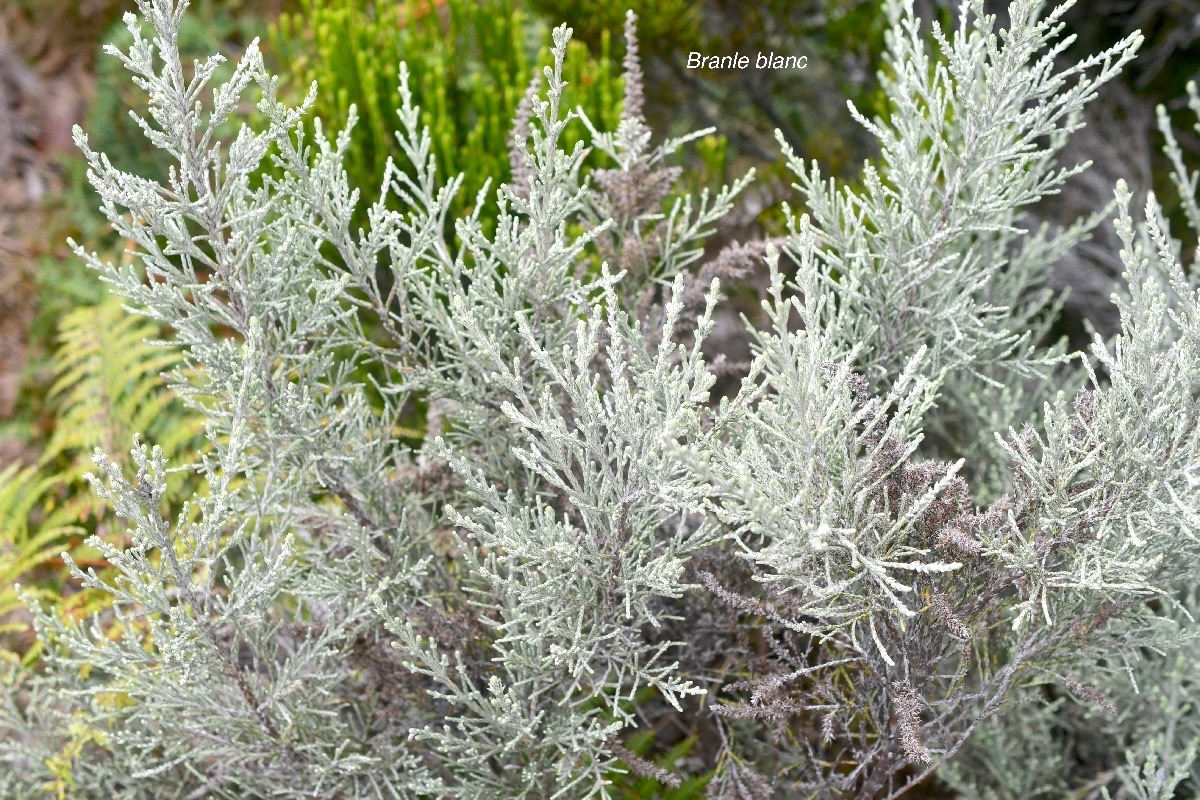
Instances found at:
x=23 y=549
x=108 y=384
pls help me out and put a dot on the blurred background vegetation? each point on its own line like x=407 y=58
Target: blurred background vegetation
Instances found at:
x=74 y=371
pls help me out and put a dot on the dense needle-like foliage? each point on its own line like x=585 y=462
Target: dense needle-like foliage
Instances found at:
x=920 y=546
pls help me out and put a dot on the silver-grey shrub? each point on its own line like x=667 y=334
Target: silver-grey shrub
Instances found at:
x=921 y=540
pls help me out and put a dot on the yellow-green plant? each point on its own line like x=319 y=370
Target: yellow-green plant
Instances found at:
x=23 y=492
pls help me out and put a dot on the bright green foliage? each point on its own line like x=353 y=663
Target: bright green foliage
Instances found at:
x=470 y=62
x=23 y=549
